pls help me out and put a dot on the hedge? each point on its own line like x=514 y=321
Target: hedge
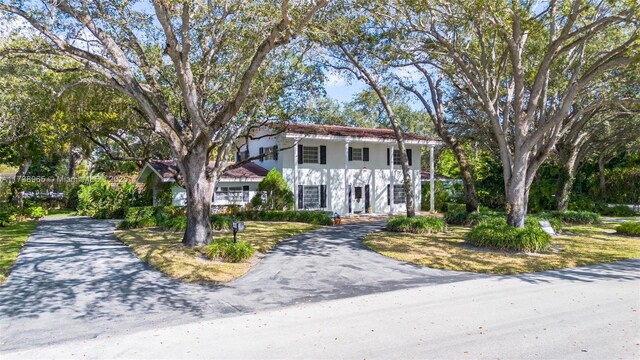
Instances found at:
x=309 y=217
x=470 y=219
x=618 y=210
x=416 y=225
x=174 y=217
x=572 y=217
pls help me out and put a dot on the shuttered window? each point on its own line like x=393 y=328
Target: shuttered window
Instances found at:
x=398 y=194
x=310 y=155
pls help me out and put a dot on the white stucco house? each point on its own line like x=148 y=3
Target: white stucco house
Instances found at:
x=333 y=168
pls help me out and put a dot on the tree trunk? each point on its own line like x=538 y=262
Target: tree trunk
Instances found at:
x=517 y=195
x=470 y=194
x=199 y=195
x=602 y=186
x=566 y=179
x=565 y=184
x=24 y=166
x=75 y=157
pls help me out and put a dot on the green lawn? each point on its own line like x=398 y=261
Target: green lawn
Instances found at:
x=12 y=238
x=576 y=246
x=164 y=251
x=60 y=212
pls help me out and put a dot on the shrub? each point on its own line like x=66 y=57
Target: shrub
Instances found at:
x=456 y=207
x=572 y=217
x=309 y=217
x=416 y=225
x=101 y=200
x=278 y=194
x=498 y=235
x=176 y=223
x=35 y=212
x=618 y=210
x=227 y=250
x=219 y=222
x=629 y=228
x=470 y=219
x=8 y=215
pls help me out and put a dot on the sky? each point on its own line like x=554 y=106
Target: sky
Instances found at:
x=340 y=89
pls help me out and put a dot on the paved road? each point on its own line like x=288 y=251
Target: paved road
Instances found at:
x=583 y=313
x=75 y=280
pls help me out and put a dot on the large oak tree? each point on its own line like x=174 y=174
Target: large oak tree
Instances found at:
x=191 y=66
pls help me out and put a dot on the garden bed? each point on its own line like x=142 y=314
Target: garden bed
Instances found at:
x=164 y=251
x=580 y=245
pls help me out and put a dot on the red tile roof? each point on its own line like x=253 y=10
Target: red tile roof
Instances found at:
x=168 y=169
x=346 y=131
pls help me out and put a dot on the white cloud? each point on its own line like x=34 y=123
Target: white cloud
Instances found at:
x=336 y=79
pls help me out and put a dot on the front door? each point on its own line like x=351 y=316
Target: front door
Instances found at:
x=359 y=205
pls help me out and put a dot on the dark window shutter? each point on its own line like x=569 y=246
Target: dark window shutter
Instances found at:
x=388 y=157
x=365 y=154
x=409 y=156
x=261 y=151
x=323 y=196
x=300 y=188
x=238 y=156
x=323 y=154
x=275 y=152
x=245 y=193
x=300 y=154
x=350 y=153
x=388 y=194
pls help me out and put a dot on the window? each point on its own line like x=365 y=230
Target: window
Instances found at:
x=230 y=194
x=356 y=154
x=398 y=194
x=310 y=154
x=268 y=152
x=311 y=197
x=396 y=158
x=242 y=155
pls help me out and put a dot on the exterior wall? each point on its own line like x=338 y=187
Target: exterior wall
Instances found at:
x=179 y=194
x=266 y=142
x=375 y=173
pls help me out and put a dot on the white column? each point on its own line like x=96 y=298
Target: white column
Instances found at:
x=346 y=178
x=432 y=180
x=391 y=179
x=295 y=175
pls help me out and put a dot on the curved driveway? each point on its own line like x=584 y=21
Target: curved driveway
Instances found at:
x=75 y=280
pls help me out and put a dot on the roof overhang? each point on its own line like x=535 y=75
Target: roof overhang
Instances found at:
x=147 y=170
x=297 y=137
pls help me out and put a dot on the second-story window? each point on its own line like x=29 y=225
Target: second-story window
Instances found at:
x=310 y=154
x=269 y=153
x=396 y=157
x=356 y=154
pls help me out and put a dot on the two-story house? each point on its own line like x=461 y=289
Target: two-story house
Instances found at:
x=333 y=168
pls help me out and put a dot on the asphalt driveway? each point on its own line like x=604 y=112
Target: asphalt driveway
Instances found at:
x=75 y=280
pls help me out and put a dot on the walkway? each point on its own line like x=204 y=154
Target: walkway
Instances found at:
x=75 y=280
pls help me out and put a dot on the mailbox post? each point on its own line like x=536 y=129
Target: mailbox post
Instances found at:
x=237 y=226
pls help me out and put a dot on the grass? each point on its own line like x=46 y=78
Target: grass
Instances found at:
x=578 y=245
x=12 y=239
x=163 y=250
x=60 y=212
